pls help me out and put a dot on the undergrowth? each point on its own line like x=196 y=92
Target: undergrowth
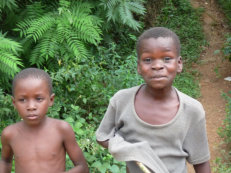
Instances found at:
x=84 y=88
x=223 y=164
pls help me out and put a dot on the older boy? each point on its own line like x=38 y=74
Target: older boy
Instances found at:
x=156 y=113
x=38 y=143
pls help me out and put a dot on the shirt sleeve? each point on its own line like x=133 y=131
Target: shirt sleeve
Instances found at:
x=196 y=142
x=107 y=127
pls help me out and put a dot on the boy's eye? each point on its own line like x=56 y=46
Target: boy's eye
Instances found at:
x=167 y=59
x=39 y=99
x=21 y=100
x=147 y=60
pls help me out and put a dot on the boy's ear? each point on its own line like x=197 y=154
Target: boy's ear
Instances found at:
x=179 y=64
x=52 y=98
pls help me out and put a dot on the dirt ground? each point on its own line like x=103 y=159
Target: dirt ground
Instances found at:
x=213 y=69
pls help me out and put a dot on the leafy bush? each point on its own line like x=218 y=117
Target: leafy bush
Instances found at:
x=227 y=48
x=8 y=115
x=173 y=15
x=226 y=6
x=187 y=84
x=222 y=165
x=225 y=130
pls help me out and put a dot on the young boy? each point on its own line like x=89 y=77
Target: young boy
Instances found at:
x=156 y=113
x=38 y=143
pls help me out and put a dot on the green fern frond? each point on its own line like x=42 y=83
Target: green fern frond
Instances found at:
x=126 y=16
x=23 y=26
x=86 y=30
x=9 y=63
x=35 y=57
x=62 y=32
x=122 y=11
x=109 y=4
x=49 y=45
x=39 y=26
x=9 y=50
x=9 y=45
x=85 y=7
x=78 y=47
x=10 y=4
x=136 y=8
x=64 y=3
x=35 y=10
x=86 y=25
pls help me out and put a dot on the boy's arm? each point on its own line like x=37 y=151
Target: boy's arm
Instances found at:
x=202 y=167
x=7 y=153
x=74 y=151
x=103 y=143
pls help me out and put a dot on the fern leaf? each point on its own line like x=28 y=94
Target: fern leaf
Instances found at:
x=35 y=10
x=39 y=26
x=10 y=4
x=122 y=11
x=77 y=47
x=35 y=57
x=9 y=45
x=9 y=63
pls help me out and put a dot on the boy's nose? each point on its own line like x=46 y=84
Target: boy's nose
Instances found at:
x=157 y=65
x=31 y=105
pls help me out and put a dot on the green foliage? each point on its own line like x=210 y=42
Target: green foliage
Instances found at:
x=89 y=81
x=9 y=50
x=99 y=160
x=187 y=84
x=173 y=15
x=9 y=4
x=9 y=62
x=227 y=48
x=82 y=95
x=225 y=130
x=60 y=34
x=88 y=48
x=222 y=165
x=7 y=113
x=122 y=11
x=226 y=5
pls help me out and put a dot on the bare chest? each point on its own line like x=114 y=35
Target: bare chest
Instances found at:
x=156 y=114
x=45 y=147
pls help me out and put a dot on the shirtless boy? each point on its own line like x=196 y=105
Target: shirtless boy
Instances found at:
x=171 y=122
x=38 y=143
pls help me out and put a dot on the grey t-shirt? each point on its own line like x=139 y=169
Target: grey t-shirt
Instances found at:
x=183 y=138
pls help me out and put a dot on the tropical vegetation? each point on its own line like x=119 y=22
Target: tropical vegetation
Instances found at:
x=88 y=48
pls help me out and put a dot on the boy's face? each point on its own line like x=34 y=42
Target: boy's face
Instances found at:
x=32 y=99
x=159 y=62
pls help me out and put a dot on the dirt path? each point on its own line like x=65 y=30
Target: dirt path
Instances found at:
x=213 y=69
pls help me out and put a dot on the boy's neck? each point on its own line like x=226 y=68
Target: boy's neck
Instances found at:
x=161 y=94
x=35 y=126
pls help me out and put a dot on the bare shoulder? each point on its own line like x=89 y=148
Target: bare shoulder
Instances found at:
x=61 y=125
x=10 y=131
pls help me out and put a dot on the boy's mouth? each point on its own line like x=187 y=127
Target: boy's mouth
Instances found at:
x=32 y=117
x=158 y=77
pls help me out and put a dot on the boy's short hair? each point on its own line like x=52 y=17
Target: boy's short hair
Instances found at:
x=34 y=73
x=157 y=32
